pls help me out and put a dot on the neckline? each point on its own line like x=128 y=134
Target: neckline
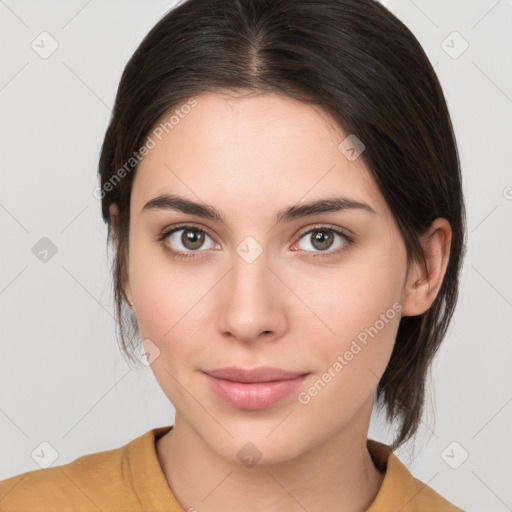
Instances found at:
x=147 y=476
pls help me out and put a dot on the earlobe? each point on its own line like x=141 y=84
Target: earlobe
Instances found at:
x=424 y=282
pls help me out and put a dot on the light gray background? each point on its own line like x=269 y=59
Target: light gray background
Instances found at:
x=62 y=378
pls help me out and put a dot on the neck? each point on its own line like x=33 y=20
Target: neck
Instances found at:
x=339 y=471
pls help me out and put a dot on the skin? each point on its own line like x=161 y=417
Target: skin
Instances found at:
x=249 y=157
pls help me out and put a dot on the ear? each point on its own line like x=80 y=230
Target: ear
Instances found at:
x=423 y=284
x=114 y=221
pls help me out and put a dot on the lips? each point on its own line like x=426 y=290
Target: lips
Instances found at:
x=260 y=374
x=256 y=388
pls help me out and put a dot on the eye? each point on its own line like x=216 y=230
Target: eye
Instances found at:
x=185 y=240
x=322 y=239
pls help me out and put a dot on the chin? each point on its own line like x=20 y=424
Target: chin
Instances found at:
x=253 y=446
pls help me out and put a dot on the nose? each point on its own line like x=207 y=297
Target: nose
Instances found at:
x=252 y=301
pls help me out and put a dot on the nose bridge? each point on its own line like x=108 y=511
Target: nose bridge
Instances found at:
x=250 y=273
x=249 y=304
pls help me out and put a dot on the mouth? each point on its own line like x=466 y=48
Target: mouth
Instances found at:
x=256 y=388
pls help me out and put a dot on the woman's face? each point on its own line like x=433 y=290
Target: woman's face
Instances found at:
x=259 y=288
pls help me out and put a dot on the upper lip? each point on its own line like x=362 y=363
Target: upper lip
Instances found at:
x=259 y=374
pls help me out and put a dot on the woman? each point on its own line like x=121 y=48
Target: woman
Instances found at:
x=281 y=183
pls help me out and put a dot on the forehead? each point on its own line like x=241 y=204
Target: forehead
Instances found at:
x=251 y=151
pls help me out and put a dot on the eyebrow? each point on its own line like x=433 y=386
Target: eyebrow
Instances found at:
x=326 y=205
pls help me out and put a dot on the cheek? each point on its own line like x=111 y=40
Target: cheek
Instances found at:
x=358 y=291
x=166 y=290
x=171 y=300
x=168 y=314
x=169 y=307
x=359 y=305
x=350 y=363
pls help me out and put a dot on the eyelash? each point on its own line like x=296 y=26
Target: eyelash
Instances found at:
x=191 y=227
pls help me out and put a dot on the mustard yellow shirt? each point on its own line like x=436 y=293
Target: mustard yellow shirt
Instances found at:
x=130 y=478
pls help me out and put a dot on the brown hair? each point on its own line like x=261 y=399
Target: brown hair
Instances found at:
x=359 y=63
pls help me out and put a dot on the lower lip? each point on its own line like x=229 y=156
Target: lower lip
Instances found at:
x=254 y=395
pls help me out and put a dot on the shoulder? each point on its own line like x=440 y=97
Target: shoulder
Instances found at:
x=422 y=498
x=86 y=483
x=400 y=490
